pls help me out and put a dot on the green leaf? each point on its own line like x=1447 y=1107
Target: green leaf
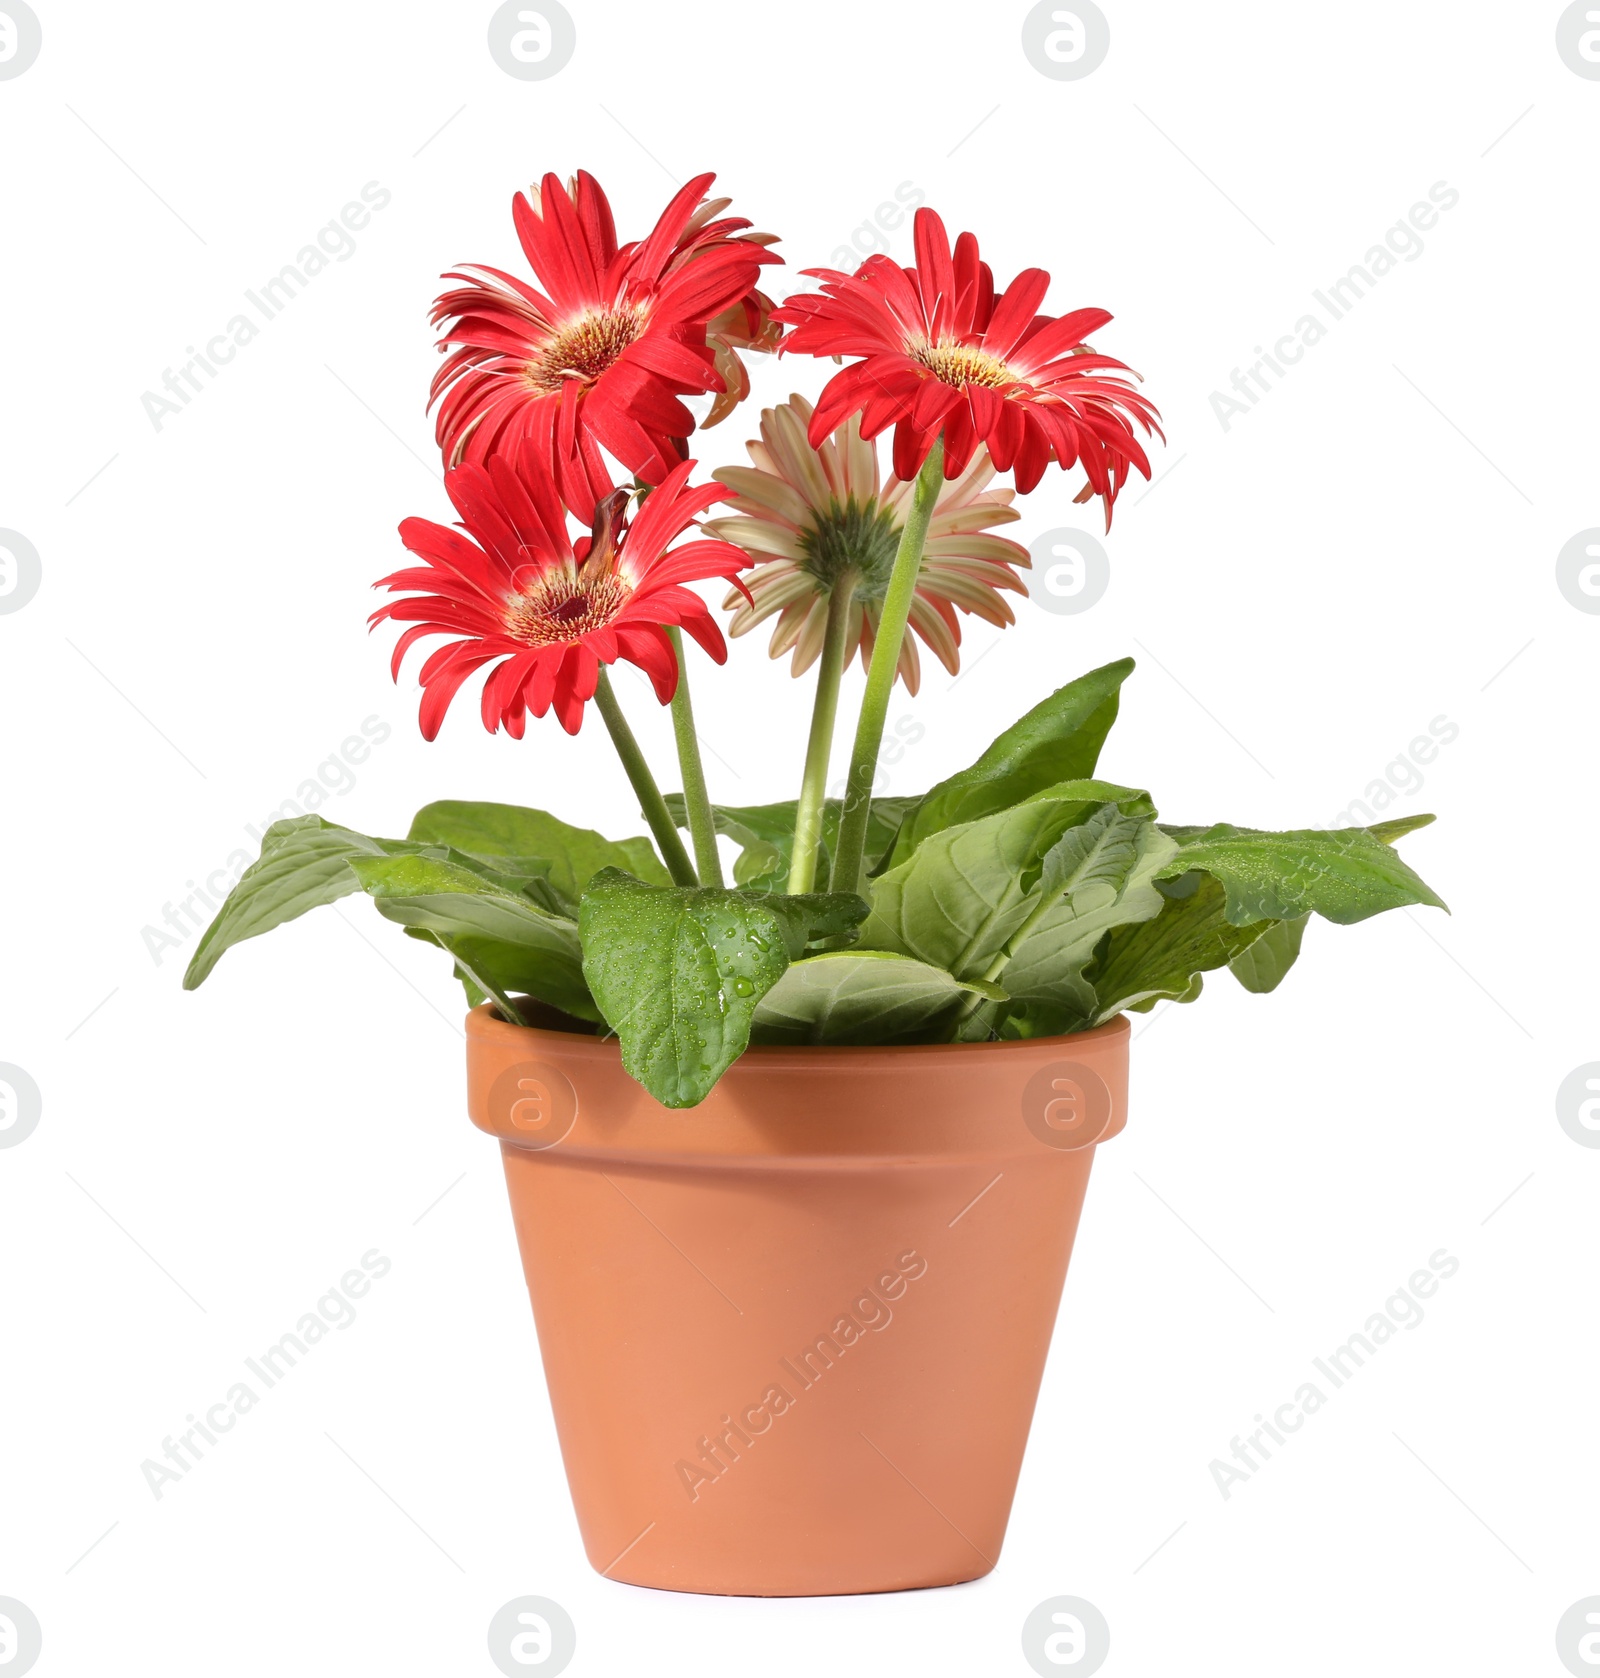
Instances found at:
x=761 y=867
x=1058 y=740
x=1344 y=875
x=304 y=863
x=678 y=971
x=966 y=891
x=1099 y=875
x=861 y=997
x=766 y=833
x=1260 y=966
x=498 y=935
x=508 y=838
x=1397 y=827
x=1164 y=957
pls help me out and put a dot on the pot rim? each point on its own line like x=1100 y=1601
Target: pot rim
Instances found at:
x=786 y=1107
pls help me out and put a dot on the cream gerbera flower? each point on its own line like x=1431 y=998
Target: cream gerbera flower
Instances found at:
x=813 y=518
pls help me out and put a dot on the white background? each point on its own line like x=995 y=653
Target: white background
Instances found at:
x=1370 y=548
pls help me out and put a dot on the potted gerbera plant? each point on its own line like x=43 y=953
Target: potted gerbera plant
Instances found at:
x=795 y=1160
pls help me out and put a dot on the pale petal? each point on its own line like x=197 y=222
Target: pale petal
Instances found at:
x=973 y=597
x=757 y=536
x=976 y=517
x=796 y=585
x=791 y=622
x=808 y=647
x=937 y=633
x=977 y=571
x=766 y=490
x=860 y=461
x=974 y=546
x=796 y=459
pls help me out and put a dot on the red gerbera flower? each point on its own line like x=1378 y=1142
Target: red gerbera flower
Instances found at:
x=941 y=352
x=520 y=594
x=600 y=358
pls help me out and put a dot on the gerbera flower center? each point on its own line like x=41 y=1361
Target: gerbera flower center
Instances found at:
x=563 y=608
x=961 y=364
x=857 y=536
x=583 y=349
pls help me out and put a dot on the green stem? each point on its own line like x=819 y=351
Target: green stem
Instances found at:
x=653 y=805
x=702 y=824
x=890 y=632
x=814 y=783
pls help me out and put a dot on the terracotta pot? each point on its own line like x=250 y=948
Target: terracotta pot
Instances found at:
x=793 y=1336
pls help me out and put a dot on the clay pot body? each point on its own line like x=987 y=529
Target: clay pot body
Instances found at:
x=793 y=1337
